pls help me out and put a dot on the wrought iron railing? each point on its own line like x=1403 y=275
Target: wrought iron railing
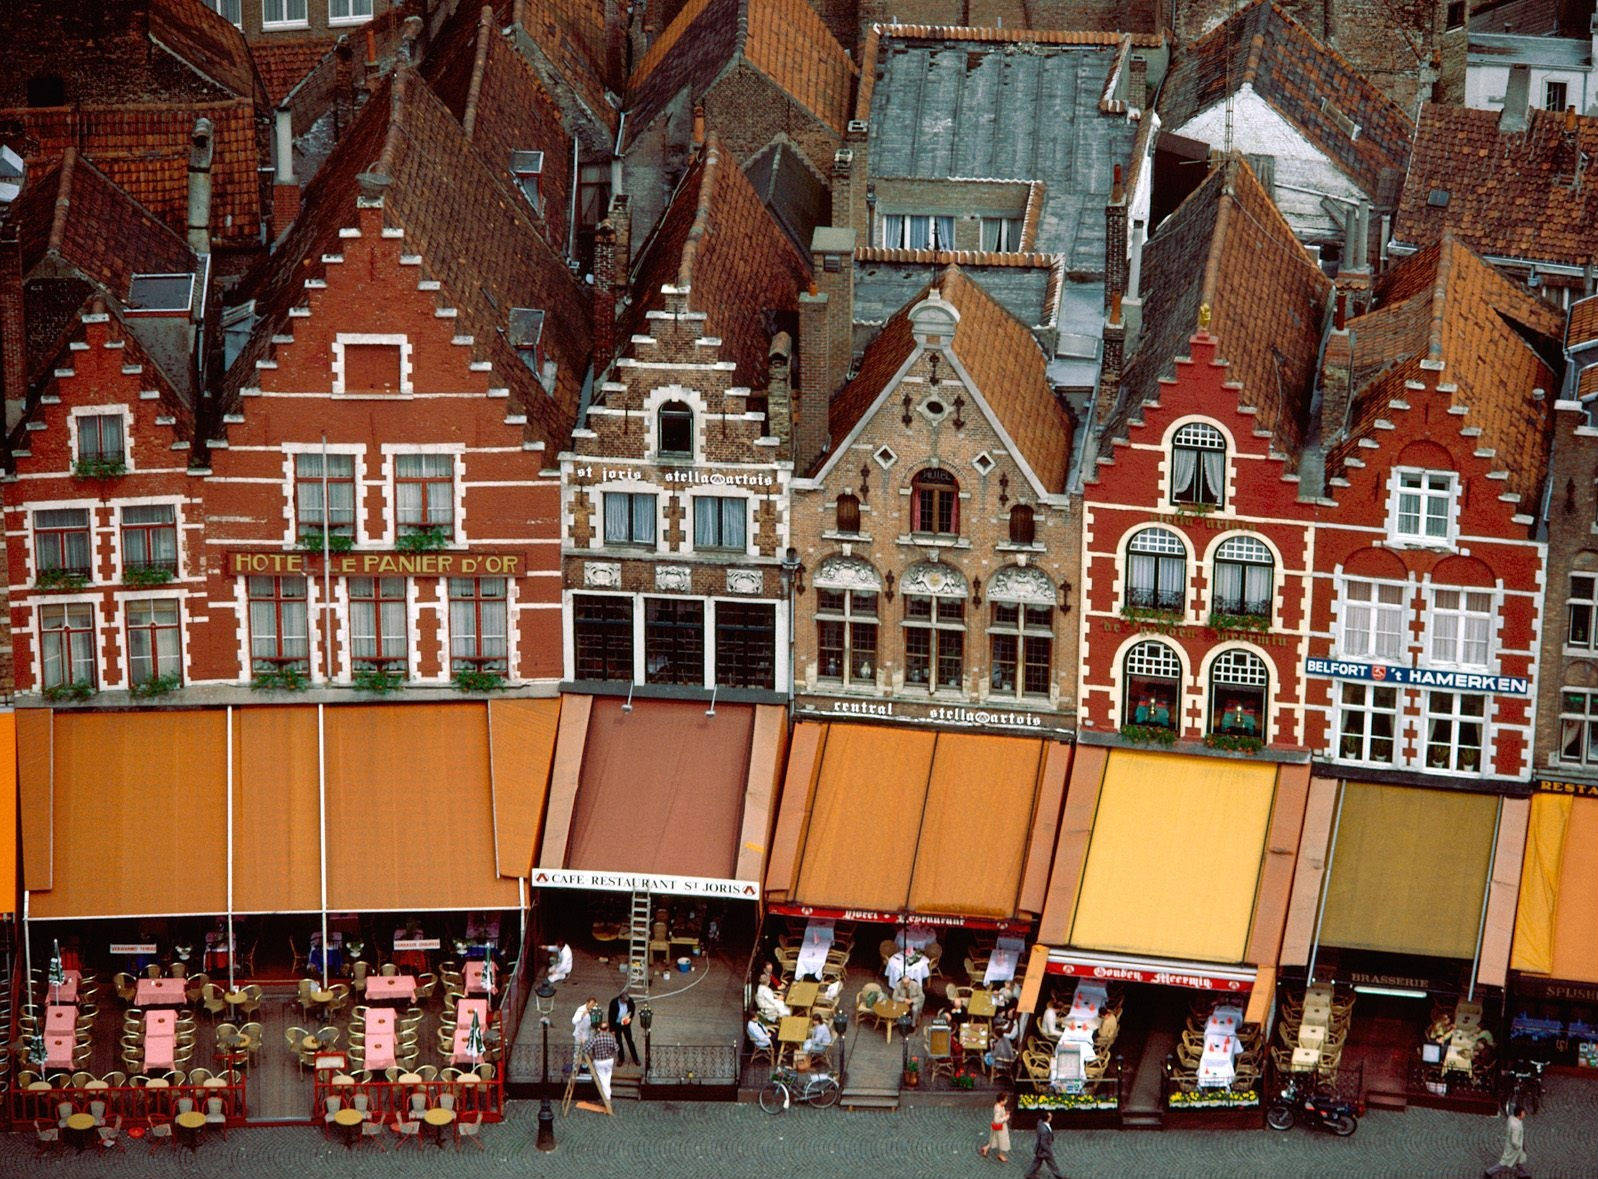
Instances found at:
x=691 y=1064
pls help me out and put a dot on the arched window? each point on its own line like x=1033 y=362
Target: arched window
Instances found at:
x=848 y=513
x=1152 y=686
x=1244 y=576
x=1156 y=570
x=1198 y=465
x=1023 y=526
x=676 y=422
x=1239 y=681
x=935 y=503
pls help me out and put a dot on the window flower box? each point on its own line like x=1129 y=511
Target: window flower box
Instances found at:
x=1149 y=734
x=378 y=680
x=78 y=690
x=99 y=468
x=53 y=579
x=147 y=575
x=479 y=681
x=311 y=540
x=423 y=540
x=1252 y=622
x=1151 y=614
x=1234 y=742
x=161 y=685
x=280 y=679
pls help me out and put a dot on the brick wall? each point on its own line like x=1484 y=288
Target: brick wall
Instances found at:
x=747 y=111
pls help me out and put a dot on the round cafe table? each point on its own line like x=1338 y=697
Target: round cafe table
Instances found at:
x=80 y=1129
x=438 y=1119
x=349 y=1122
x=409 y=1079
x=234 y=998
x=890 y=1011
x=190 y=1124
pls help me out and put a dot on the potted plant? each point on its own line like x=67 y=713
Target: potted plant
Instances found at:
x=422 y=540
x=99 y=468
x=311 y=541
x=378 y=680
x=1149 y=734
x=160 y=685
x=468 y=680
x=912 y=1073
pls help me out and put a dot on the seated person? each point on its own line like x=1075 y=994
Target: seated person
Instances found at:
x=1053 y=1017
x=759 y=1035
x=560 y=961
x=1001 y=1053
x=828 y=995
x=819 y=1038
x=1109 y=1026
x=770 y=1007
x=907 y=990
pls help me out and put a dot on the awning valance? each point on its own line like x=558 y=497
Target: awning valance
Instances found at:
x=1556 y=929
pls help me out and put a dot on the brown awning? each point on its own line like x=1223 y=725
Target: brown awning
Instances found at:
x=35 y=735
x=1298 y=932
x=8 y=828
x=521 y=748
x=276 y=834
x=410 y=816
x=767 y=746
x=139 y=823
x=1076 y=832
x=1503 y=892
x=1276 y=874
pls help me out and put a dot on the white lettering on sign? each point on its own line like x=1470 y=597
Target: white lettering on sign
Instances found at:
x=134 y=948
x=687 y=886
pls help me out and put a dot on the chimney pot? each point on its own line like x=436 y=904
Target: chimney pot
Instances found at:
x=200 y=187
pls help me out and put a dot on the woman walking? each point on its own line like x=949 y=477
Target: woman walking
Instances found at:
x=998 y=1129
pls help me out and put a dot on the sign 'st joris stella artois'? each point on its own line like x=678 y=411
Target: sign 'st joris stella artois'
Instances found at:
x=277 y=563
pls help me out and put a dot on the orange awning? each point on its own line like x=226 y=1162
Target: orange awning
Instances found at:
x=276 y=835
x=8 y=829
x=35 y=735
x=521 y=748
x=140 y=815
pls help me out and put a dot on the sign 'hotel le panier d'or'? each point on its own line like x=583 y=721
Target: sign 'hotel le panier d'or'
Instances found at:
x=277 y=563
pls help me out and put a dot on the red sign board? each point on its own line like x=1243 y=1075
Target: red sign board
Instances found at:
x=1157 y=976
x=789 y=909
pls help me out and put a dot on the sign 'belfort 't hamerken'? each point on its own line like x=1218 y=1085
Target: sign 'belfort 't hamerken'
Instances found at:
x=277 y=563
x=1419 y=677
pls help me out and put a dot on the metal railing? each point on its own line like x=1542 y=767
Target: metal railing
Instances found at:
x=691 y=1064
x=134 y=1104
x=385 y=1100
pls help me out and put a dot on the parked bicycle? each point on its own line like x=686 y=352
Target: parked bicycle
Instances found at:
x=1522 y=1085
x=788 y=1086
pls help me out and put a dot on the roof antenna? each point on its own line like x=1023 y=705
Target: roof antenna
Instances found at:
x=628 y=705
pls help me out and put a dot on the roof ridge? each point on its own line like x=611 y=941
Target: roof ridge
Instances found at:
x=63 y=199
x=701 y=224
x=485 y=30
x=1040 y=36
x=1445 y=267
x=1256 y=48
x=663 y=44
x=1212 y=258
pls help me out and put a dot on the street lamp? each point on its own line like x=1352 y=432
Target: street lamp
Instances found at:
x=840 y=1023
x=544 y=997
x=646 y=1020
x=790 y=583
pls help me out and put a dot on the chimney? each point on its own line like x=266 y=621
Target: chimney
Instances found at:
x=616 y=43
x=843 y=189
x=1115 y=245
x=849 y=205
x=779 y=393
x=200 y=187
x=13 y=357
x=1114 y=363
x=285 y=189
x=611 y=242
x=1517 y=99
x=1337 y=381
x=1137 y=87
x=343 y=86
x=826 y=340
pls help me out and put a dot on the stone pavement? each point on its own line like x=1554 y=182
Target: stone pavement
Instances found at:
x=670 y=1141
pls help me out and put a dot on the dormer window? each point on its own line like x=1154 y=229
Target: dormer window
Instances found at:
x=527 y=168
x=1422 y=508
x=1001 y=234
x=100 y=439
x=525 y=331
x=935 y=503
x=1198 y=465
x=676 y=424
x=914 y=231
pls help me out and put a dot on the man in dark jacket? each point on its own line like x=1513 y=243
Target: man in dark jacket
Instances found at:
x=1043 y=1149
x=620 y=1016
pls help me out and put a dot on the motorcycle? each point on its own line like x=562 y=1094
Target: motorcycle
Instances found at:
x=1323 y=1111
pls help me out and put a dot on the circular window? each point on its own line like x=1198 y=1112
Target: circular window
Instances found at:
x=935 y=408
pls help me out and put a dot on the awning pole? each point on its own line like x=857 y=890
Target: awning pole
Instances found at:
x=27 y=953
x=1326 y=877
x=321 y=824
x=1486 y=899
x=230 y=954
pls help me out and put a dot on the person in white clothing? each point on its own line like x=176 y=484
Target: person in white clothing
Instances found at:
x=583 y=1021
x=770 y=1007
x=820 y=1037
x=1050 y=1024
x=561 y=955
x=757 y=1033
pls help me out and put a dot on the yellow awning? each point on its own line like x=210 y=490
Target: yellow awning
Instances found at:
x=1556 y=925
x=1175 y=857
x=1408 y=870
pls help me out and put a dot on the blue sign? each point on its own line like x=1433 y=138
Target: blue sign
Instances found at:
x=1419 y=677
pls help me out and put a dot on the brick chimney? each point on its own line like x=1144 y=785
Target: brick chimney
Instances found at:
x=285 y=189
x=1337 y=386
x=616 y=43
x=13 y=354
x=1115 y=244
x=1517 y=101
x=343 y=86
x=200 y=187
x=826 y=340
x=611 y=263
x=1112 y=367
x=851 y=184
x=779 y=393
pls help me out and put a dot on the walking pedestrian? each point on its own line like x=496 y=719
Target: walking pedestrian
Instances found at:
x=620 y=1015
x=1043 y=1149
x=602 y=1054
x=1511 y=1161
x=998 y=1130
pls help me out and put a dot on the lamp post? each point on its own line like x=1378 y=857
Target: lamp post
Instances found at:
x=790 y=574
x=840 y=1024
x=544 y=996
x=646 y=1020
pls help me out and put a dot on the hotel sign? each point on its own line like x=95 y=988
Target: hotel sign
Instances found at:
x=1419 y=677
x=682 y=886
x=279 y=563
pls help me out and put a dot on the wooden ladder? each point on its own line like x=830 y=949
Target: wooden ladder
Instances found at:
x=580 y=1061
x=638 y=944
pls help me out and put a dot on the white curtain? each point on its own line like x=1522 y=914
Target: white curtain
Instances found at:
x=1256 y=585
x=1214 y=476
x=1142 y=574
x=617 y=518
x=1228 y=584
x=1184 y=466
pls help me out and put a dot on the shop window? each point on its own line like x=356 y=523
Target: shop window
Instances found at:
x=478 y=617
x=1198 y=465
x=602 y=637
x=629 y=517
x=1239 y=683
x=1021 y=641
x=378 y=626
x=324 y=495
x=934 y=642
x=721 y=522
x=847 y=514
x=150 y=538
x=155 y=643
x=279 y=630
x=846 y=635
x=674 y=641
x=935 y=503
x=424 y=493
x=1156 y=571
x=1578 y=727
x=1581 y=631
x=1152 y=676
x=1244 y=578
x=746 y=644
x=61 y=541
x=1454 y=730
x=1023 y=525
x=1373 y=617
x=100 y=438
x=1422 y=508
x=676 y=423
x=1460 y=624
x=1367 y=722
x=66 y=644
x=915 y=231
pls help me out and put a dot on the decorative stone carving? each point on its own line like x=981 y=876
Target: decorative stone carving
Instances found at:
x=744 y=581
x=602 y=574
x=846 y=573
x=1015 y=584
x=673 y=578
x=933 y=577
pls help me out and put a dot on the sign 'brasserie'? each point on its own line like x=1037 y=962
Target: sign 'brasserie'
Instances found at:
x=277 y=563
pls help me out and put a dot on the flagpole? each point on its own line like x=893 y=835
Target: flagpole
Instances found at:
x=327 y=589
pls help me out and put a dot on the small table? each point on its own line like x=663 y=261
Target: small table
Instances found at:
x=1311 y=1035
x=158 y=1052
x=890 y=1011
x=349 y=1121
x=160 y=1023
x=1305 y=1060
x=309 y=1043
x=474 y=978
x=160 y=992
x=606 y=931
x=974 y=1037
x=793 y=1029
x=80 y=1127
x=388 y=988
x=234 y=998
x=981 y=1005
x=191 y=1124
x=802 y=994
x=379 y=1019
x=438 y=1119
x=58 y=1051
x=62 y=1018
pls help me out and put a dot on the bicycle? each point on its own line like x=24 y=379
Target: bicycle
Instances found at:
x=1523 y=1083
x=787 y=1087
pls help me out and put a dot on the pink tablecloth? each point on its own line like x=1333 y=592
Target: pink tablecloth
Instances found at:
x=380 y=1019
x=67 y=992
x=160 y=1023
x=58 y=1051
x=474 y=978
x=157 y=1052
x=61 y=1018
x=159 y=992
x=463 y=1028
x=385 y=988
x=379 y=1050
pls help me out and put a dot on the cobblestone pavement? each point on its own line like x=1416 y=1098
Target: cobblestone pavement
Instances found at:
x=669 y=1141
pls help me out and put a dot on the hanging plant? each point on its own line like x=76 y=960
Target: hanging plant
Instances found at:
x=1149 y=734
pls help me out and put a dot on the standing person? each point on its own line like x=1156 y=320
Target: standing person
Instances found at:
x=620 y=1015
x=602 y=1054
x=583 y=1020
x=998 y=1129
x=1514 y=1154
x=1043 y=1149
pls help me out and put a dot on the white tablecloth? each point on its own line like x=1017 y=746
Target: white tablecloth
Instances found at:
x=1084 y=1007
x=897 y=968
x=1219 y=1050
x=1063 y=1066
x=1003 y=961
x=813 y=950
x=1216 y=1076
x=1223 y=1021
x=1094 y=990
x=1079 y=1031
x=916 y=937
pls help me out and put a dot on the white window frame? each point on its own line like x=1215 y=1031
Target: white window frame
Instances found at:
x=1587 y=719
x=904 y=223
x=1449 y=496
x=721 y=508
x=1367 y=707
x=1449 y=610
x=221 y=7
x=1028 y=635
x=350 y=17
x=1348 y=605
x=65 y=606
x=848 y=619
x=75 y=417
x=388 y=339
x=935 y=626
x=1587 y=604
x=285 y=21
x=1432 y=701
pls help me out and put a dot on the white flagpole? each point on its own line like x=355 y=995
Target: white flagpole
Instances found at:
x=327 y=578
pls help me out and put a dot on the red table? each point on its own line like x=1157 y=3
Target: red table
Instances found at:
x=61 y=1018
x=379 y=1050
x=158 y=1052
x=160 y=992
x=160 y=1023
x=379 y=1019
x=390 y=988
x=67 y=992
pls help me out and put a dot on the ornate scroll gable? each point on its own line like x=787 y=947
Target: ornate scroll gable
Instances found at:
x=846 y=573
x=931 y=577
x=1015 y=584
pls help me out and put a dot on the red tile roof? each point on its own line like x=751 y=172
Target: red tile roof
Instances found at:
x=718 y=239
x=1446 y=306
x=570 y=36
x=1003 y=360
x=1583 y=326
x=1228 y=247
x=282 y=64
x=1524 y=194
x=1329 y=102
x=210 y=45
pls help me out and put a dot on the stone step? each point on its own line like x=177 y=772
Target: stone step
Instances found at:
x=1142 y=1119
x=870 y=1098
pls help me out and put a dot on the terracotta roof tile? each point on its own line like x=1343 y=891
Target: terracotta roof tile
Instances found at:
x=1583 y=326
x=282 y=64
x=1587 y=385
x=1005 y=363
x=1227 y=246
x=205 y=41
x=570 y=34
x=1446 y=305
x=1350 y=121
x=1505 y=194
x=718 y=239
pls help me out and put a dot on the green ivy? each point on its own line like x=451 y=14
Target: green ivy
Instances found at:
x=1150 y=614
x=76 y=690
x=61 y=579
x=1234 y=742
x=99 y=468
x=1254 y=622
x=1149 y=734
x=147 y=575
x=423 y=540
x=479 y=681
x=160 y=685
x=280 y=679
x=311 y=542
x=378 y=680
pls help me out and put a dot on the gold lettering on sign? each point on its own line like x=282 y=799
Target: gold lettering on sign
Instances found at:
x=379 y=564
